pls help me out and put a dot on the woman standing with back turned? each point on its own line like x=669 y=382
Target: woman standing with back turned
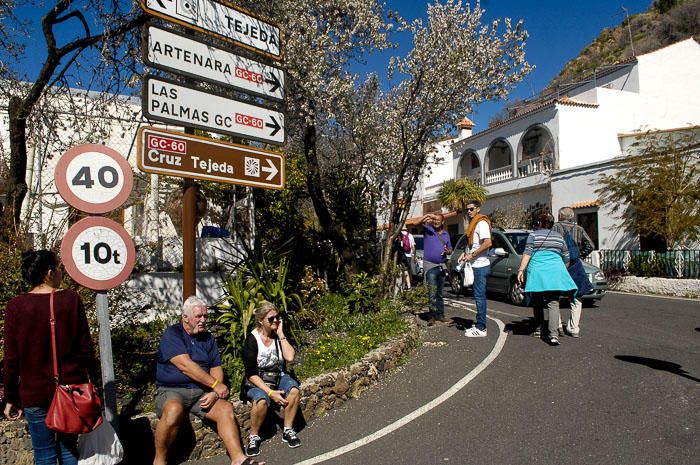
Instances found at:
x=29 y=379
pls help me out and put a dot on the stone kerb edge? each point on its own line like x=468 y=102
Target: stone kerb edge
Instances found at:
x=319 y=395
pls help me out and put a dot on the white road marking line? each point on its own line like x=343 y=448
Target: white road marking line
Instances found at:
x=459 y=303
x=421 y=410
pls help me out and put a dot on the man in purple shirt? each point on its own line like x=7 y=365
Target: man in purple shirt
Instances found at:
x=437 y=250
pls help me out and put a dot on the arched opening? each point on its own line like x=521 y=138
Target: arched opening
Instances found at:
x=499 y=160
x=470 y=167
x=536 y=153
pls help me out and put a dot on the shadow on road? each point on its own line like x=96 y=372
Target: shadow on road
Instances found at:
x=521 y=328
x=657 y=365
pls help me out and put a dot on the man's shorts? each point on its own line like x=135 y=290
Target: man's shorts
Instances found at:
x=287 y=383
x=188 y=397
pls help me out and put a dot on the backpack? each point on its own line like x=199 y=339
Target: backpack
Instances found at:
x=405 y=243
x=574 y=252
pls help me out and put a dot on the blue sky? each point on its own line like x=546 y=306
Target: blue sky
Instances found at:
x=559 y=30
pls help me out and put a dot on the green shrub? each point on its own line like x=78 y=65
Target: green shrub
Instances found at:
x=362 y=293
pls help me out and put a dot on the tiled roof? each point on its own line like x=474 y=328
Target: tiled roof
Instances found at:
x=585 y=204
x=466 y=123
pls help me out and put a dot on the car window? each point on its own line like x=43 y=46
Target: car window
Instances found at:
x=498 y=242
x=461 y=243
x=518 y=240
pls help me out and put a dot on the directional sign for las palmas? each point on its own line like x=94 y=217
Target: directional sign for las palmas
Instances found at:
x=176 y=53
x=223 y=21
x=174 y=103
x=182 y=155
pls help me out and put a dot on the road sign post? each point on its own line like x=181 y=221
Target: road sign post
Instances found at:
x=225 y=22
x=182 y=155
x=181 y=54
x=174 y=103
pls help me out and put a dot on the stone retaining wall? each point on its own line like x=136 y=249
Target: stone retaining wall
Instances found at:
x=659 y=286
x=197 y=440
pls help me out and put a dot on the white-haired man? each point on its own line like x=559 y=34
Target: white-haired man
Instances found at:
x=189 y=378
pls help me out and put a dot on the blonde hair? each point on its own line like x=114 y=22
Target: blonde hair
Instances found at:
x=262 y=309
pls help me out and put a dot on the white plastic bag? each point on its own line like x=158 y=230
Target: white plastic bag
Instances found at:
x=100 y=447
x=467 y=274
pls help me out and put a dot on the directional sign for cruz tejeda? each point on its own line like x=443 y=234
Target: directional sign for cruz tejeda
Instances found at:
x=221 y=20
x=171 y=102
x=179 y=54
x=182 y=155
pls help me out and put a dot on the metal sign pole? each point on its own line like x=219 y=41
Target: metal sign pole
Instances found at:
x=108 y=380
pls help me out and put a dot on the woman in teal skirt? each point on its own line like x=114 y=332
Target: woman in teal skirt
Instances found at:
x=545 y=260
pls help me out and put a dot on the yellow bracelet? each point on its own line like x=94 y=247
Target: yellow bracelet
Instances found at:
x=269 y=393
x=216 y=381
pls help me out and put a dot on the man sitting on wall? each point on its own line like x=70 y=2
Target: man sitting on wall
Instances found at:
x=189 y=378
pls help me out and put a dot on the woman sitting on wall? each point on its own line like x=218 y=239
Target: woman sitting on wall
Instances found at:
x=265 y=354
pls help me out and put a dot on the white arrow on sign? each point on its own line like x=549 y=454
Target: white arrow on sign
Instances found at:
x=176 y=53
x=174 y=103
x=223 y=21
x=270 y=168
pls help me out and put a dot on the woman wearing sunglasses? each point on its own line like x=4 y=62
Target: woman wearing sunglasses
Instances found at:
x=265 y=354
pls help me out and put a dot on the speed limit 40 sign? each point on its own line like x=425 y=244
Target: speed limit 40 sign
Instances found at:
x=93 y=178
x=98 y=253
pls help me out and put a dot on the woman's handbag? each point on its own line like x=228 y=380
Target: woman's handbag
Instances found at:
x=75 y=408
x=100 y=447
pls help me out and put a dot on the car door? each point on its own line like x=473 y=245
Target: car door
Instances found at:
x=501 y=266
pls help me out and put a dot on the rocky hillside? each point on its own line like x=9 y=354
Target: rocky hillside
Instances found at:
x=666 y=22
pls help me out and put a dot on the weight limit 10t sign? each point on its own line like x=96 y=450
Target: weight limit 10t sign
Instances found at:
x=98 y=253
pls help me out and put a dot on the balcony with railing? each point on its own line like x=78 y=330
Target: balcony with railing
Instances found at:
x=500 y=174
x=532 y=166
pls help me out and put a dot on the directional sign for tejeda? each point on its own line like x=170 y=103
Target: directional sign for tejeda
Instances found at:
x=223 y=21
x=179 y=54
x=171 y=102
x=184 y=155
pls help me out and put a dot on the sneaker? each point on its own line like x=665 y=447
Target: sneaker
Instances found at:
x=561 y=332
x=290 y=437
x=553 y=340
x=537 y=332
x=253 y=447
x=475 y=332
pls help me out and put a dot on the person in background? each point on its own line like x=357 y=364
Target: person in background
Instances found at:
x=265 y=355
x=437 y=249
x=408 y=251
x=28 y=366
x=545 y=259
x=479 y=243
x=189 y=378
x=580 y=246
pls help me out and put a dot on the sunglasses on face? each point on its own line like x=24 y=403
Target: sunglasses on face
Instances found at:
x=271 y=319
x=471 y=209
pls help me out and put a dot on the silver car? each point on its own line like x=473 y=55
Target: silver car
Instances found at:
x=508 y=246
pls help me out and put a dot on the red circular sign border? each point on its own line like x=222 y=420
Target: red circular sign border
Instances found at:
x=72 y=268
x=73 y=200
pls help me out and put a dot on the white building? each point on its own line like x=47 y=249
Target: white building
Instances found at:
x=551 y=154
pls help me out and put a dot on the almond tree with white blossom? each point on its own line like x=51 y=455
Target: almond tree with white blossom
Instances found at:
x=457 y=61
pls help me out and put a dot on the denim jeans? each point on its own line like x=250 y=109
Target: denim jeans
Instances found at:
x=48 y=445
x=435 y=280
x=479 y=288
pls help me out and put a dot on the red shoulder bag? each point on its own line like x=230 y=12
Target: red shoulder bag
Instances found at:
x=75 y=408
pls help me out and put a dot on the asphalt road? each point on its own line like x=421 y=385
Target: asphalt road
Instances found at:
x=626 y=392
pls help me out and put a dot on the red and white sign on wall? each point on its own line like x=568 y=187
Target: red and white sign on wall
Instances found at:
x=98 y=253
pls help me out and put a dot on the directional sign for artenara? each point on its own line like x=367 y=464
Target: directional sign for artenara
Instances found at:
x=174 y=103
x=224 y=21
x=176 y=154
x=179 y=54
x=93 y=178
x=98 y=253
